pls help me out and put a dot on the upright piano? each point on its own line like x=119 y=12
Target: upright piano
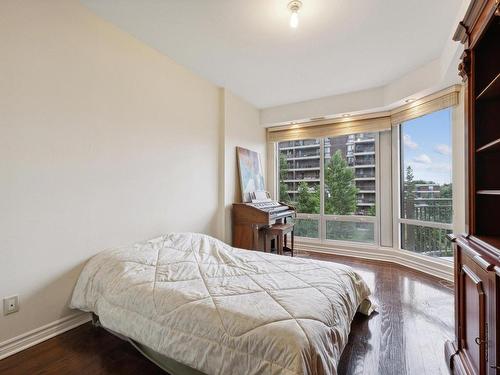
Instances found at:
x=249 y=219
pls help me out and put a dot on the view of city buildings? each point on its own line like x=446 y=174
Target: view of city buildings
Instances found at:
x=426 y=184
x=426 y=202
x=303 y=165
x=421 y=200
x=433 y=202
x=348 y=177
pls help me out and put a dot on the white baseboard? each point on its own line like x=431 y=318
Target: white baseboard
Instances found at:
x=428 y=265
x=36 y=336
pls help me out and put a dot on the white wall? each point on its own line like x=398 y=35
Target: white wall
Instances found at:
x=427 y=79
x=103 y=142
x=430 y=78
x=241 y=129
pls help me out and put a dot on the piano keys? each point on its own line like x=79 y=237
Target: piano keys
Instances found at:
x=249 y=219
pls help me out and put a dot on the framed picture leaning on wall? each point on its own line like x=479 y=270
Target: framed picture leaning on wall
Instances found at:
x=251 y=173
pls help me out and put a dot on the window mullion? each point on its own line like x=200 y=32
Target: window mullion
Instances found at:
x=430 y=224
x=396 y=187
x=353 y=218
x=378 y=206
x=322 y=223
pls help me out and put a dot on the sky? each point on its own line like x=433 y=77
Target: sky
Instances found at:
x=427 y=146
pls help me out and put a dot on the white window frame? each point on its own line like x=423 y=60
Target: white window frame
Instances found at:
x=397 y=178
x=322 y=218
x=388 y=219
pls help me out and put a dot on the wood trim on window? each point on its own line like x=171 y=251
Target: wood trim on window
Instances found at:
x=331 y=129
x=432 y=103
x=374 y=122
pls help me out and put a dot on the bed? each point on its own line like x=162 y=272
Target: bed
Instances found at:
x=191 y=301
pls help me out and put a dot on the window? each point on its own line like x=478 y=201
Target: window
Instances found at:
x=350 y=187
x=332 y=184
x=300 y=176
x=426 y=193
x=381 y=183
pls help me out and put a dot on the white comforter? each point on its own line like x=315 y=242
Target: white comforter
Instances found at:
x=223 y=310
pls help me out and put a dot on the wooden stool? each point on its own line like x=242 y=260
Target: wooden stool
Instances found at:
x=280 y=231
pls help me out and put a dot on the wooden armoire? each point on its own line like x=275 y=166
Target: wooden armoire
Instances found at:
x=476 y=349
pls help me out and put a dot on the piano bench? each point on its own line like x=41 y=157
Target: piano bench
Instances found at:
x=280 y=232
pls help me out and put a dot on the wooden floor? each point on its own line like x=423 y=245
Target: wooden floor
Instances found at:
x=406 y=336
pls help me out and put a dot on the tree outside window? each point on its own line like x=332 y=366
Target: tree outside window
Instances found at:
x=348 y=173
x=341 y=191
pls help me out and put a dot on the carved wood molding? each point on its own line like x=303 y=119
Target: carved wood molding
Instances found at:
x=464 y=66
x=471 y=16
x=461 y=33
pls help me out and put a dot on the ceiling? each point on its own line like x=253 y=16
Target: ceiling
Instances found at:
x=248 y=47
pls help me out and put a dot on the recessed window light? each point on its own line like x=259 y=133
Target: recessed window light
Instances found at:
x=409 y=100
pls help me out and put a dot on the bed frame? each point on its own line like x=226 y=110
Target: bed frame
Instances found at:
x=167 y=364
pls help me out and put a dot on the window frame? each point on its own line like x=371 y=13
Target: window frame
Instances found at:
x=388 y=211
x=324 y=218
x=397 y=198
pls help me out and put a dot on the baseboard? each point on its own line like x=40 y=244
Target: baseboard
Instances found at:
x=423 y=264
x=36 y=336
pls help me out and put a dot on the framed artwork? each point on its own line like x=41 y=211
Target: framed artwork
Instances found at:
x=251 y=173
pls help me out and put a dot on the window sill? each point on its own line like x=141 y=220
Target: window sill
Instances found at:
x=440 y=268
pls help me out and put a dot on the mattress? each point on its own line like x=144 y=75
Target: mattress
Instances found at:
x=222 y=310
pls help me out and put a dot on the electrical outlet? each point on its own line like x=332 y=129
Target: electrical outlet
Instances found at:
x=10 y=305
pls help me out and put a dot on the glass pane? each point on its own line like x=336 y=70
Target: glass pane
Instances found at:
x=350 y=175
x=426 y=240
x=350 y=231
x=299 y=174
x=426 y=168
x=306 y=228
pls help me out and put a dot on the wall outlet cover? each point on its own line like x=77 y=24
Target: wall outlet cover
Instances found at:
x=10 y=305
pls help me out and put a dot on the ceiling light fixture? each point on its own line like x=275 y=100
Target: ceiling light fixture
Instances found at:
x=409 y=100
x=346 y=115
x=294 y=7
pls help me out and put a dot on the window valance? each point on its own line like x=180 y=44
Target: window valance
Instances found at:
x=432 y=103
x=330 y=129
x=375 y=122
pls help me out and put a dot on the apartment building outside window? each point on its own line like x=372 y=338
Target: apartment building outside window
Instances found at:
x=300 y=180
x=332 y=183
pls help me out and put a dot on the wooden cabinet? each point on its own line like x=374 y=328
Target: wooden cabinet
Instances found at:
x=475 y=351
x=477 y=287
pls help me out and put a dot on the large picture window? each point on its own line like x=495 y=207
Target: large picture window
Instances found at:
x=332 y=183
x=350 y=188
x=376 y=183
x=426 y=192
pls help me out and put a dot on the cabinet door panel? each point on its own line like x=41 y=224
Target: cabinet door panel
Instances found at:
x=473 y=316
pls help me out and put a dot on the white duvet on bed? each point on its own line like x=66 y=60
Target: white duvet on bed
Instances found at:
x=223 y=310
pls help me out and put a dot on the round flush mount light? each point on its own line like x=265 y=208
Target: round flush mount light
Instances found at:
x=294 y=7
